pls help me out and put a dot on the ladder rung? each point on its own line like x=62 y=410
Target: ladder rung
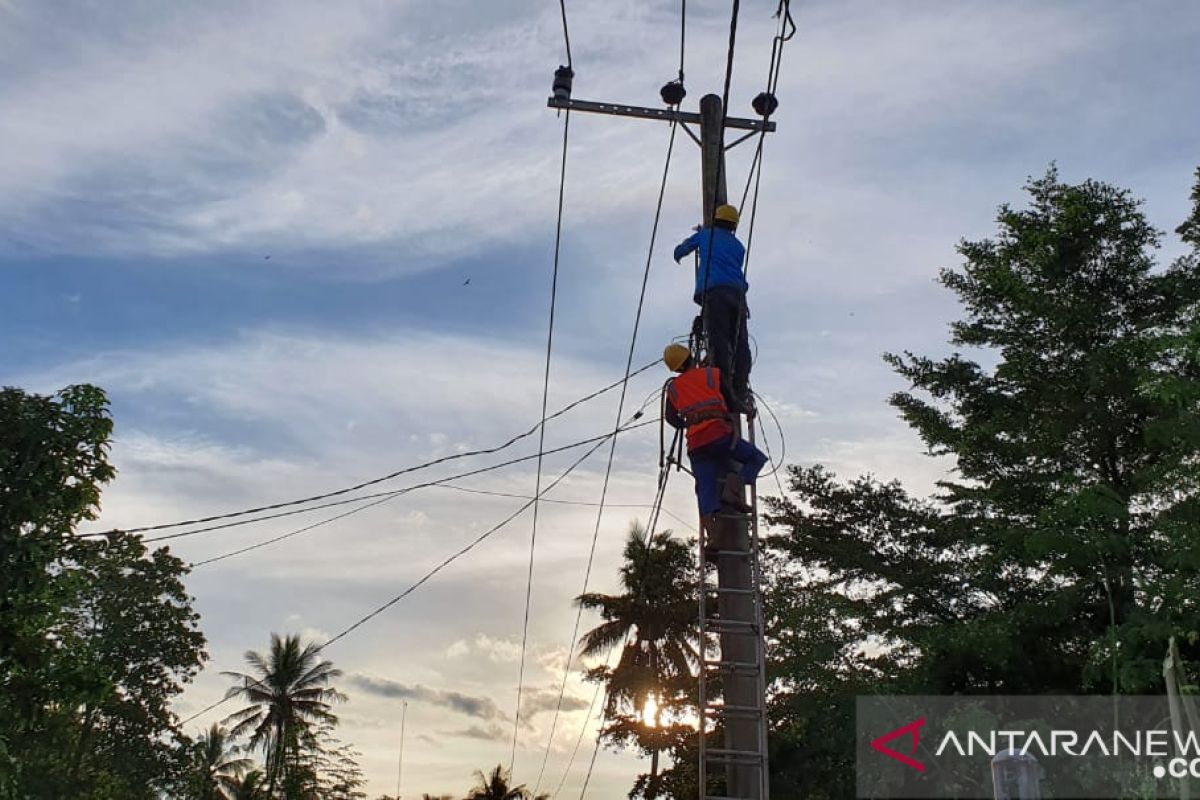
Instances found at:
x=729 y=552
x=733 y=625
x=726 y=709
x=723 y=754
x=732 y=666
x=728 y=590
x=721 y=797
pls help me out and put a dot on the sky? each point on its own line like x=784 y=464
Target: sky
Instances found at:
x=303 y=244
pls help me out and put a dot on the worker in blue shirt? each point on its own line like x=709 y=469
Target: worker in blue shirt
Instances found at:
x=721 y=294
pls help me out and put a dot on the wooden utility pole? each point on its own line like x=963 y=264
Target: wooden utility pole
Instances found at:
x=738 y=625
x=712 y=155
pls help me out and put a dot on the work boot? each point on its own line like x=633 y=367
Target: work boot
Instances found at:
x=734 y=494
x=716 y=533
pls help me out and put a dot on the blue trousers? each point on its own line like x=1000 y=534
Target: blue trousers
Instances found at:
x=710 y=463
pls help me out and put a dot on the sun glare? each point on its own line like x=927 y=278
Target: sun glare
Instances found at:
x=648 y=711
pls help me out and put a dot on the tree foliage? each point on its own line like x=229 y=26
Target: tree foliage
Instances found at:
x=96 y=635
x=289 y=696
x=653 y=621
x=1065 y=549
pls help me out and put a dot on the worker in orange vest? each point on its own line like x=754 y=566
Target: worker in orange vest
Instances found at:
x=693 y=400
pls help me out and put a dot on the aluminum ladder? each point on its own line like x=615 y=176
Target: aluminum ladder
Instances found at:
x=731 y=652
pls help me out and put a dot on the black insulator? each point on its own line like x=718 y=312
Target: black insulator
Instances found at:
x=673 y=93
x=562 y=83
x=764 y=104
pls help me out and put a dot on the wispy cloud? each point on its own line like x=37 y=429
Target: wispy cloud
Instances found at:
x=482 y=707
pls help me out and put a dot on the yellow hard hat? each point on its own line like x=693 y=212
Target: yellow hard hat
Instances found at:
x=675 y=356
x=727 y=213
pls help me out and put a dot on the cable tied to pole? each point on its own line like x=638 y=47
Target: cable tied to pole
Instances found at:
x=562 y=182
x=612 y=448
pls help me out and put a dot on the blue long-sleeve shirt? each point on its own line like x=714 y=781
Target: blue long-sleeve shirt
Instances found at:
x=725 y=266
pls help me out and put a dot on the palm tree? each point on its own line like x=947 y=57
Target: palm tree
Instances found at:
x=655 y=618
x=215 y=765
x=495 y=786
x=288 y=694
x=250 y=787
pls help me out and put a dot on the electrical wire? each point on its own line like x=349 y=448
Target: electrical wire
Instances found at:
x=682 y=36
x=374 y=481
x=712 y=229
x=562 y=4
x=516 y=496
x=427 y=576
x=361 y=498
x=664 y=476
x=562 y=183
x=637 y=320
x=383 y=497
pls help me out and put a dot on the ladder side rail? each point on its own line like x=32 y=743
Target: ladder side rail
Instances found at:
x=756 y=568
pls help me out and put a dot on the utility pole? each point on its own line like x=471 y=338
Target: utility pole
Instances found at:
x=400 y=764
x=738 y=626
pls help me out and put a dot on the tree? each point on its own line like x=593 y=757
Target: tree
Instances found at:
x=250 y=786
x=289 y=694
x=1066 y=548
x=654 y=620
x=53 y=461
x=97 y=635
x=496 y=786
x=216 y=767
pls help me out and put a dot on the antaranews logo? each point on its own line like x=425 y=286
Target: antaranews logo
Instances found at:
x=912 y=729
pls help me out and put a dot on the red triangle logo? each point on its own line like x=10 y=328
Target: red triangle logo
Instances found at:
x=911 y=729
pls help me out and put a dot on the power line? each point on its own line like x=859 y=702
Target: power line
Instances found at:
x=664 y=476
x=562 y=4
x=428 y=575
x=361 y=498
x=683 y=35
x=562 y=183
x=383 y=497
x=552 y=501
x=712 y=230
x=364 y=484
x=612 y=449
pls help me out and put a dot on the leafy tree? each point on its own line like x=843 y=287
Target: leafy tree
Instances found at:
x=654 y=620
x=96 y=635
x=289 y=696
x=53 y=461
x=1066 y=549
x=216 y=767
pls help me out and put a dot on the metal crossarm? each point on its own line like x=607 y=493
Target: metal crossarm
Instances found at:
x=663 y=114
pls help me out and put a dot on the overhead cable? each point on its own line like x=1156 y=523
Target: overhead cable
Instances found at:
x=383 y=497
x=374 y=481
x=637 y=319
x=424 y=578
x=562 y=184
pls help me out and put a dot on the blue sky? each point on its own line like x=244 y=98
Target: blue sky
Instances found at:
x=383 y=153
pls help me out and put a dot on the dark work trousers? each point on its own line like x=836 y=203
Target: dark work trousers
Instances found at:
x=710 y=464
x=725 y=315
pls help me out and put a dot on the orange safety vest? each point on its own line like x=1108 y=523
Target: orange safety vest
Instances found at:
x=696 y=395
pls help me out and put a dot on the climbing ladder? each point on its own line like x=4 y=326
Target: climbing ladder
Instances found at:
x=732 y=669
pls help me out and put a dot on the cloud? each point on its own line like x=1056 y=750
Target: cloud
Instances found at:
x=489 y=733
x=538 y=701
x=482 y=707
